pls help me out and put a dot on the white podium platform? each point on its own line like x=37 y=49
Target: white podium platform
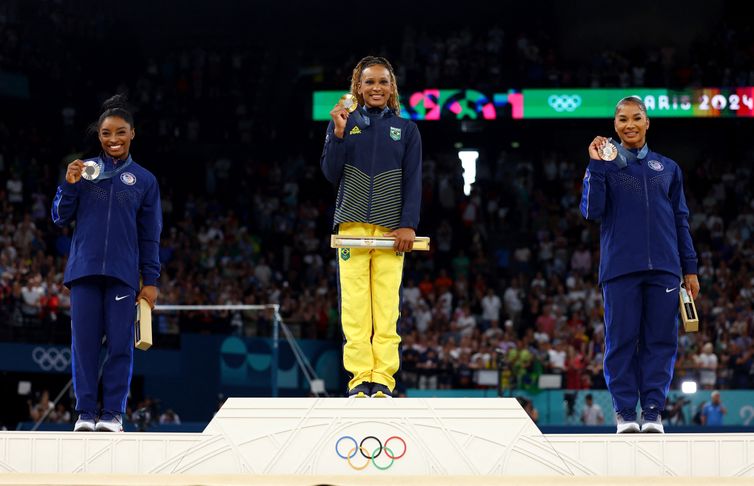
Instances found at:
x=258 y=437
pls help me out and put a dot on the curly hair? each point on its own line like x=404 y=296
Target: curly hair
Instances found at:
x=369 y=61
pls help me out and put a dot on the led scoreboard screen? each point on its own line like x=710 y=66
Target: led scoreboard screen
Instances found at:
x=437 y=104
x=470 y=104
x=600 y=103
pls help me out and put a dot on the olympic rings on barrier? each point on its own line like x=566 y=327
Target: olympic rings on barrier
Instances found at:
x=50 y=359
x=359 y=468
x=561 y=103
x=382 y=468
x=391 y=452
x=360 y=447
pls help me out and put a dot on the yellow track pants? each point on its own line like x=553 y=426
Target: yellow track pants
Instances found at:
x=369 y=285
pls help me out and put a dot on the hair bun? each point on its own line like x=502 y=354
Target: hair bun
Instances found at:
x=120 y=100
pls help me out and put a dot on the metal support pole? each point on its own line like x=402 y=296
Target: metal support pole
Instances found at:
x=275 y=365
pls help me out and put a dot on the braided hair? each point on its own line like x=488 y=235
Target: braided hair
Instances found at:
x=393 y=103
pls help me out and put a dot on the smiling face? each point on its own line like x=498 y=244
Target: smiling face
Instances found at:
x=115 y=135
x=631 y=125
x=375 y=86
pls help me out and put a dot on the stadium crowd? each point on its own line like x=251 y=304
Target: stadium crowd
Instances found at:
x=510 y=284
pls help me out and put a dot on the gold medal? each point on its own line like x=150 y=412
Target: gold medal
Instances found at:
x=608 y=151
x=349 y=102
x=91 y=170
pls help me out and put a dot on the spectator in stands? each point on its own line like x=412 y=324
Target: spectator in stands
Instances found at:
x=740 y=360
x=43 y=409
x=170 y=417
x=591 y=414
x=706 y=361
x=513 y=299
x=491 y=305
x=61 y=415
x=713 y=412
x=32 y=293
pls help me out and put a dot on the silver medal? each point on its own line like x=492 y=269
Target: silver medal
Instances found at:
x=91 y=170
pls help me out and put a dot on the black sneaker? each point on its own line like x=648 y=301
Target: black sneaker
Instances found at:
x=361 y=391
x=381 y=391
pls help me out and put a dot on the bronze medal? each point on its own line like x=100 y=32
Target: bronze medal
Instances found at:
x=608 y=151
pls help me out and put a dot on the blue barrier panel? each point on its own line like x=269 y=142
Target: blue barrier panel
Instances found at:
x=191 y=379
x=564 y=407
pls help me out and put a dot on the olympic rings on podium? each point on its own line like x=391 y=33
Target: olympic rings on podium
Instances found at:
x=361 y=448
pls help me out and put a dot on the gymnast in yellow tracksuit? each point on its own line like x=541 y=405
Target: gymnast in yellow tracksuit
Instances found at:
x=374 y=158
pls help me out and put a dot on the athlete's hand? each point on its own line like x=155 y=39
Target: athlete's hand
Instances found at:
x=73 y=173
x=148 y=293
x=339 y=116
x=691 y=282
x=595 y=146
x=404 y=239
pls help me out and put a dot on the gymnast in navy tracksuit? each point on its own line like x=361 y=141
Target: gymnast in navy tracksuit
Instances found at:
x=646 y=249
x=115 y=244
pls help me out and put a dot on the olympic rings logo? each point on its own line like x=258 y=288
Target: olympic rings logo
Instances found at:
x=561 y=103
x=52 y=358
x=360 y=447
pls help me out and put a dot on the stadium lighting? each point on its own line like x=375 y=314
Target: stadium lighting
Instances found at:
x=688 y=387
x=468 y=163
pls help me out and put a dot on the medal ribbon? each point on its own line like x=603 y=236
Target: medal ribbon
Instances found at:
x=111 y=173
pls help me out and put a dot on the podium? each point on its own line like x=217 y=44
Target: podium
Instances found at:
x=407 y=437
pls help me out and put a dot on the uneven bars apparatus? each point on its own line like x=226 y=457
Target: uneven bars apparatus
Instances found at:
x=277 y=325
x=421 y=243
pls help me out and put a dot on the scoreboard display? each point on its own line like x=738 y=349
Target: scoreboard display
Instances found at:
x=470 y=104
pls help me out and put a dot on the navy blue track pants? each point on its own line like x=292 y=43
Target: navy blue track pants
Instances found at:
x=641 y=337
x=102 y=306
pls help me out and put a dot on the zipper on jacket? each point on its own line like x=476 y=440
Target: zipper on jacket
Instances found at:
x=371 y=174
x=646 y=200
x=107 y=227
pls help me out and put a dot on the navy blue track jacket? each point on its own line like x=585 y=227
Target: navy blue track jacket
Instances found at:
x=377 y=169
x=118 y=225
x=643 y=215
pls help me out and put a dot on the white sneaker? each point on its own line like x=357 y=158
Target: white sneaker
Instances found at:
x=652 y=427
x=651 y=421
x=626 y=423
x=110 y=422
x=85 y=423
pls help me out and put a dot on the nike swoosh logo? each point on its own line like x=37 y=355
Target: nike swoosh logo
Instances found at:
x=667 y=291
x=120 y=297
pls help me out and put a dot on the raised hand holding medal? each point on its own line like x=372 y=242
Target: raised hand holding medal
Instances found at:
x=91 y=170
x=340 y=112
x=349 y=102
x=347 y=106
x=595 y=148
x=608 y=151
